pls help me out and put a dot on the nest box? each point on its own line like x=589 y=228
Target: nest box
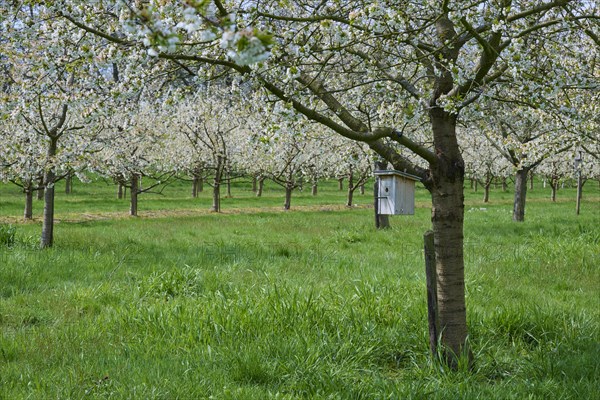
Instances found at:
x=396 y=194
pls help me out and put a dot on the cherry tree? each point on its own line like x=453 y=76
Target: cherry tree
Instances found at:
x=428 y=61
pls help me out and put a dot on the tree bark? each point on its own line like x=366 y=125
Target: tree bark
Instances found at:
x=216 y=205
x=49 y=179
x=195 y=186
x=448 y=173
x=531 y=180
x=341 y=184
x=28 y=212
x=504 y=185
x=554 y=187
x=40 y=191
x=134 y=191
x=520 y=195
x=69 y=183
x=288 y=196
x=315 y=186
x=351 y=188
x=486 y=187
x=579 y=192
x=261 y=185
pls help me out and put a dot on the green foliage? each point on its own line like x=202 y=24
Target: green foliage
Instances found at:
x=311 y=304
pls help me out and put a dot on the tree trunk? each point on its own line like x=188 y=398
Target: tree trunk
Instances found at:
x=119 y=190
x=254 y=183
x=554 y=187
x=315 y=186
x=289 y=187
x=229 y=184
x=135 y=184
x=362 y=188
x=216 y=205
x=579 y=192
x=261 y=185
x=69 y=183
x=28 y=212
x=194 y=186
x=341 y=184
x=504 y=185
x=48 y=220
x=531 y=180
x=520 y=195
x=486 y=191
x=475 y=184
x=40 y=191
x=447 y=217
x=350 y=188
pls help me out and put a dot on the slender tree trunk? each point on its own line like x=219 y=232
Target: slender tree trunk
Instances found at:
x=119 y=190
x=28 y=212
x=531 y=180
x=49 y=179
x=40 y=191
x=362 y=188
x=69 y=183
x=504 y=184
x=448 y=174
x=229 y=184
x=351 y=188
x=254 y=183
x=520 y=195
x=341 y=183
x=475 y=184
x=134 y=191
x=579 y=192
x=315 y=186
x=216 y=206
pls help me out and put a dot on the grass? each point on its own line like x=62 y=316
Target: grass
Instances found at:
x=309 y=304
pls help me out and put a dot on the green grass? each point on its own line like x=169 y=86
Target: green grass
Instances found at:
x=307 y=304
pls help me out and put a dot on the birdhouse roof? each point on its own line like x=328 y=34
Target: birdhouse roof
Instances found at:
x=397 y=173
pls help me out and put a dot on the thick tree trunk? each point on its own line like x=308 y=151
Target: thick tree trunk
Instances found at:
x=486 y=192
x=261 y=185
x=447 y=219
x=28 y=212
x=288 y=196
x=48 y=220
x=135 y=184
x=520 y=195
x=554 y=187
x=195 y=179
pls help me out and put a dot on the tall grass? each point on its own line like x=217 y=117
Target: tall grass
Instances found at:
x=311 y=304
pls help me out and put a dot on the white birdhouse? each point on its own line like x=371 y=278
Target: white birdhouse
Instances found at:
x=396 y=193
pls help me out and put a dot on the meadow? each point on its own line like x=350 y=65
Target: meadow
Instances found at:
x=313 y=303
